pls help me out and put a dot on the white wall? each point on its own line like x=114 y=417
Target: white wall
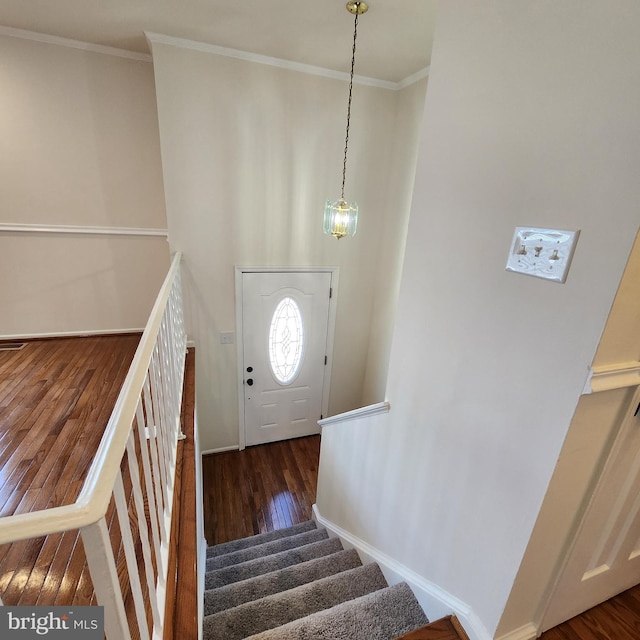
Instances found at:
x=250 y=154
x=621 y=337
x=530 y=119
x=78 y=146
x=390 y=250
x=596 y=421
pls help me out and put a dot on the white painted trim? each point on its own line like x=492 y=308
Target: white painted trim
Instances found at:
x=331 y=335
x=203 y=47
x=333 y=307
x=436 y=601
x=413 y=78
x=81 y=230
x=202 y=546
x=207 y=452
x=242 y=441
x=74 y=44
x=202 y=570
x=362 y=412
x=69 y=334
x=526 y=632
x=612 y=376
x=153 y=38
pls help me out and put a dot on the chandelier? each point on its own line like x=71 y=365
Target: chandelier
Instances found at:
x=340 y=216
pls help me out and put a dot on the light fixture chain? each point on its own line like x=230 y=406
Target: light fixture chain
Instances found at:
x=346 y=140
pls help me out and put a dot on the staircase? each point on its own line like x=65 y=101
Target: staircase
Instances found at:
x=297 y=583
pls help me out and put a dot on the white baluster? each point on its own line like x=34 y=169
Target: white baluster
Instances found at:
x=122 y=510
x=152 y=497
x=104 y=576
x=138 y=498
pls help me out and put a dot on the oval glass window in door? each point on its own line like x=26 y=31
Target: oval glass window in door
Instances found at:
x=286 y=341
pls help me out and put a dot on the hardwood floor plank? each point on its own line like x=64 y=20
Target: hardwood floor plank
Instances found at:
x=442 y=629
x=56 y=397
x=259 y=489
x=55 y=400
x=615 y=619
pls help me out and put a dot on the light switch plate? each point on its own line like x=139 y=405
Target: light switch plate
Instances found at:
x=542 y=253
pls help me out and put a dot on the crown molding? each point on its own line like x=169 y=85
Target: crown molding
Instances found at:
x=203 y=47
x=413 y=78
x=74 y=44
x=157 y=38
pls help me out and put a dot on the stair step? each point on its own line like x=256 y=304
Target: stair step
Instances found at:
x=299 y=584
x=260 y=538
x=284 y=607
x=381 y=615
x=237 y=593
x=260 y=566
x=266 y=549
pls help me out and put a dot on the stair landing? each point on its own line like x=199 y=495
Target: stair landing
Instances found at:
x=448 y=628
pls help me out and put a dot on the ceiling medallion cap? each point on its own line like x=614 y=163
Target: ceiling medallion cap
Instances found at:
x=357 y=8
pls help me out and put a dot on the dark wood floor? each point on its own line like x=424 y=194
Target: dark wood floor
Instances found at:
x=56 y=397
x=262 y=488
x=273 y=486
x=616 y=619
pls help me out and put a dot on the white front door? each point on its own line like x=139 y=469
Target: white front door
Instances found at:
x=285 y=319
x=605 y=558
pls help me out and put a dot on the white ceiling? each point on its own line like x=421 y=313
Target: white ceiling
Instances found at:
x=394 y=36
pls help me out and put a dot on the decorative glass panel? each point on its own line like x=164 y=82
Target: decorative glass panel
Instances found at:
x=286 y=341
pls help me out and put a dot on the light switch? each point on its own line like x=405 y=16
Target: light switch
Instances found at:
x=227 y=337
x=543 y=253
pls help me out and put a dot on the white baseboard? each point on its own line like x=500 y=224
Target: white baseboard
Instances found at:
x=436 y=602
x=68 y=334
x=527 y=632
x=235 y=447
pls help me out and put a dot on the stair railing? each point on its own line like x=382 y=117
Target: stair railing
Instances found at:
x=134 y=470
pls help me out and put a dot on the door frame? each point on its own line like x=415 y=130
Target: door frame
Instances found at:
x=333 y=302
x=600 y=467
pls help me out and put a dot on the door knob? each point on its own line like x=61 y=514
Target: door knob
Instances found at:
x=250 y=381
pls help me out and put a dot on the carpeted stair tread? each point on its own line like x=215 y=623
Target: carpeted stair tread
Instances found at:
x=266 y=549
x=381 y=615
x=260 y=566
x=284 y=607
x=238 y=593
x=260 y=538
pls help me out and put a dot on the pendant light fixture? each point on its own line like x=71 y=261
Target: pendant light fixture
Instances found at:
x=340 y=216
